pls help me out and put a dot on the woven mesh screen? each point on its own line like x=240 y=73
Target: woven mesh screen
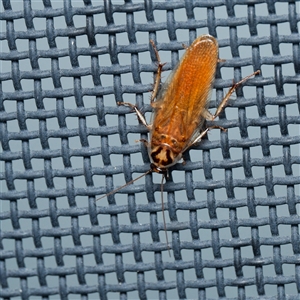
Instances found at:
x=232 y=210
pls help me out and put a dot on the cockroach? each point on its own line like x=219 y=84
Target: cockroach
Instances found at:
x=180 y=107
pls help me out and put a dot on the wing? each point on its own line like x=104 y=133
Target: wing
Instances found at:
x=183 y=98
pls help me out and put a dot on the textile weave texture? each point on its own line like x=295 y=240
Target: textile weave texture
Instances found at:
x=232 y=207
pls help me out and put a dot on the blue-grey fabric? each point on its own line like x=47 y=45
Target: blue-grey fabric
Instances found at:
x=232 y=207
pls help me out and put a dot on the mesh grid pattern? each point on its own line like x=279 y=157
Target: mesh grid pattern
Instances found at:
x=232 y=209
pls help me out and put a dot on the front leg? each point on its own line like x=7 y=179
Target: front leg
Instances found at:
x=138 y=113
x=203 y=133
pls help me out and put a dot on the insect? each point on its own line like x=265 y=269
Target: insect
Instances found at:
x=180 y=107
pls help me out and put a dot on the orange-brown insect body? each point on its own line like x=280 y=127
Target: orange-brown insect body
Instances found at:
x=180 y=105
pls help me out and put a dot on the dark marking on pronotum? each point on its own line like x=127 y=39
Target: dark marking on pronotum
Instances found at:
x=165 y=162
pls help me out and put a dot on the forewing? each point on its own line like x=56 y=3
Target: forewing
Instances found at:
x=186 y=93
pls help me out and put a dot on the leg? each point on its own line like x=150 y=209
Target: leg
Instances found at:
x=155 y=88
x=203 y=133
x=221 y=106
x=139 y=114
x=158 y=73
